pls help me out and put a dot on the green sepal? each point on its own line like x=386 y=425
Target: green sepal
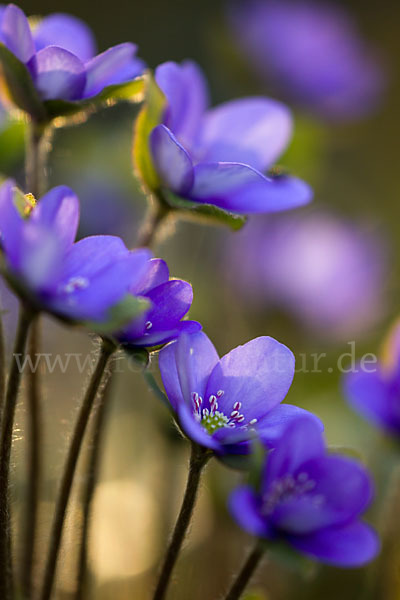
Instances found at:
x=132 y=91
x=282 y=553
x=140 y=356
x=253 y=462
x=122 y=313
x=207 y=213
x=149 y=117
x=20 y=86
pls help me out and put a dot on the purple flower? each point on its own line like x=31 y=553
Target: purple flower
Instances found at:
x=81 y=281
x=222 y=404
x=59 y=53
x=217 y=156
x=170 y=300
x=327 y=272
x=310 y=499
x=312 y=52
x=373 y=389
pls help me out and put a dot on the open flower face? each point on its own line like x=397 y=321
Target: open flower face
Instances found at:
x=310 y=499
x=60 y=55
x=222 y=404
x=81 y=281
x=218 y=156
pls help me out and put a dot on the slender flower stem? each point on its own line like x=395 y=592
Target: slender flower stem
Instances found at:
x=91 y=480
x=36 y=154
x=2 y=364
x=37 y=146
x=247 y=571
x=156 y=217
x=198 y=459
x=34 y=465
x=70 y=468
x=13 y=386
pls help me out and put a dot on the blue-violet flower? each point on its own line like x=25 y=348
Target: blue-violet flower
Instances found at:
x=310 y=499
x=60 y=54
x=218 y=156
x=222 y=404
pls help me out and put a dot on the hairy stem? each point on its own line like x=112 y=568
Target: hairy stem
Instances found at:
x=36 y=154
x=91 y=481
x=150 y=229
x=13 y=386
x=70 y=468
x=2 y=363
x=33 y=464
x=198 y=459
x=250 y=565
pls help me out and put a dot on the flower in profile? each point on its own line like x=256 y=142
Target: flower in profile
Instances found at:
x=60 y=54
x=325 y=271
x=169 y=299
x=373 y=388
x=82 y=281
x=218 y=156
x=222 y=404
x=310 y=499
x=311 y=52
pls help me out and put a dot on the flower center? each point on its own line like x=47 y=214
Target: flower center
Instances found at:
x=288 y=488
x=212 y=418
x=75 y=283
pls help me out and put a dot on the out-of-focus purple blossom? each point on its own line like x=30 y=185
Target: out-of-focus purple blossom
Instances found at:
x=81 y=281
x=326 y=272
x=170 y=301
x=373 y=389
x=218 y=156
x=311 y=52
x=222 y=404
x=59 y=53
x=311 y=500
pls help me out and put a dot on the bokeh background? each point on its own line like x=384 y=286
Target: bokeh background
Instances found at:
x=325 y=279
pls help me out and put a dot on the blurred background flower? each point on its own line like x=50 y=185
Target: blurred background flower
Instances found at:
x=329 y=273
x=311 y=52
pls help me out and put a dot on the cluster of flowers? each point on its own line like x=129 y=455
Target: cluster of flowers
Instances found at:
x=220 y=157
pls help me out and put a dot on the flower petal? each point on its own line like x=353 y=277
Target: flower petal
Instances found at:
x=190 y=359
x=273 y=425
x=257 y=376
x=163 y=336
x=243 y=506
x=116 y=65
x=97 y=274
x=11 y=224
x=241 y=189
x=172 y=162
x=58 y=74
x=254 y=131
x=187 y=95
x=369 y=394
x=58 y=210
x=350 y=546
x=342 y=490
x=16 y=33
x=301 y=441
x=156 y=274
x=65 y=31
